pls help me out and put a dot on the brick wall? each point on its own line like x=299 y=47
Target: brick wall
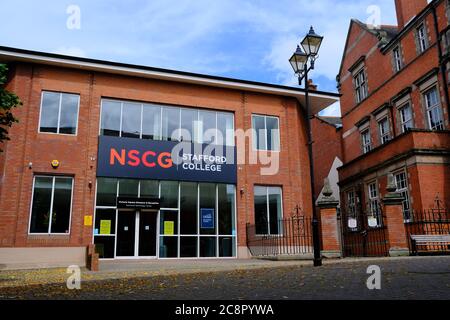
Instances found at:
x=75 y=152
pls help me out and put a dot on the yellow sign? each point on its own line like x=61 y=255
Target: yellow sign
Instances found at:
x=55 y=164
x=169 y=228
x=105 y=226
x=88 y=221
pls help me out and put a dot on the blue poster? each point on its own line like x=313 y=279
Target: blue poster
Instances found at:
x=207 y=218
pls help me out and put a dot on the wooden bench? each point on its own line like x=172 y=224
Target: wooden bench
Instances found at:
x=423 y=239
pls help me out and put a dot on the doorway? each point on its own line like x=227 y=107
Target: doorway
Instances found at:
x=136 y=234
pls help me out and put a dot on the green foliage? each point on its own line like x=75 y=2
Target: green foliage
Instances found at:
x=8 y=101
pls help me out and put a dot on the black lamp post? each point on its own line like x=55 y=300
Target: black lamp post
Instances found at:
x=299 y=62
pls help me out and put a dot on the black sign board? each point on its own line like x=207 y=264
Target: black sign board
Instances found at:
x=138 y=203
x=165 y=160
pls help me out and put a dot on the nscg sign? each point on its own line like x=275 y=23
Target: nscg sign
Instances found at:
x=165 y=160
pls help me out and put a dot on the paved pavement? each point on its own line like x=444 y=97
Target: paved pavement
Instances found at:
x=405 y=278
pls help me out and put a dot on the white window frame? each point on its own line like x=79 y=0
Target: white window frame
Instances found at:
x=374 y=197
x=360 y=82
x=405 y=192
x=385 y=137
x=366 y=144
x=51 y=206
x=422 y=38
x=280 y=219
x=398 y=62
x=255 y=133
x=59 y=113
x=403 y=120
x=429 y=109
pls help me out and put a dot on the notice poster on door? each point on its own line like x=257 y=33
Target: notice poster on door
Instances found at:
x=169 y=228
x=207 y=218
x=105 y=226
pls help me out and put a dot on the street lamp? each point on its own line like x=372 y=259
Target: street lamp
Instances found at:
x=299 y=62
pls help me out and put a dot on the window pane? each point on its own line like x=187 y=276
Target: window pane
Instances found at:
x=272 y=134
x=149 y=189
x=105 y=215
x=275 y=210
x=261 y=223
x=188 y=120
x=128 y=188
x=207 y=247
x=188 y=247
x=61 y=205
x=226 y=209
x=225 y=128
x=168 y=247
x=69 y=114
x=227 y=247
x=259 y=133
x=42 y=196
x=110 y=118
x=208 y=201
x=169 y=194
x=131 y=120
x=106 y=192
x=188 y=204
x=104 y=246
x=207 y=123
x=151 y=122
x=49 y=112
x=169 y=223
x=170 y=124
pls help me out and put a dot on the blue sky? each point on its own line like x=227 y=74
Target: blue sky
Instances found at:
x=244 y=39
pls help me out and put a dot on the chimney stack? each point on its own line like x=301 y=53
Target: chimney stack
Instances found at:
x=407 y=9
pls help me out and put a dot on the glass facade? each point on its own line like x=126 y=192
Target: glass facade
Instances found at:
x=169 y=123
x=196 y=220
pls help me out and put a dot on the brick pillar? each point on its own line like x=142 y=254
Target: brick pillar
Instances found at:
x=329 y=223
x=392 y=202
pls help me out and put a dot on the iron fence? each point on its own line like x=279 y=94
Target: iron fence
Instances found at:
x=293 y=236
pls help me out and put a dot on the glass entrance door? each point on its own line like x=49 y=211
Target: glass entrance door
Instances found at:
x=126 y=230
x=136 y=234
x=147 y=234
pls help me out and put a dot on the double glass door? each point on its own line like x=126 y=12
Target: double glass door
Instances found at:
x=136 y=234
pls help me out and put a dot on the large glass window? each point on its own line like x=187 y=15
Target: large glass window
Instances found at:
x=51 y=206
x=361 y=89
x=153 y=122
x=188 y=205
x=169 y=194
x=433 y=107
x=266 y=133
x=59 y=113
x=131 y=120
x=268 y=210
x=207 y=208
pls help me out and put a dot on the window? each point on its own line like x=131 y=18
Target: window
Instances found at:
x=59 y=113
x=402 y=188
x=51 y=205
x=360 y=86
x=352 y=223
x=365 y=141
x=398 y=63
x=446 y=41
x=374 y=213
x=433 y=109
x=266 y=133
x=384 y=130
x=153 y=122
x=406 y=119
x=422 y=38
x=268 y=210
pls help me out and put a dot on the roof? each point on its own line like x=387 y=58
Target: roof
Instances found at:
x=319 y=99
x=333 y=121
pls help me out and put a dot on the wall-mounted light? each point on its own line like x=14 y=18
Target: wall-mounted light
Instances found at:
x=90 y=184
x=30 y=165
x=55 y=164
x=242 y=191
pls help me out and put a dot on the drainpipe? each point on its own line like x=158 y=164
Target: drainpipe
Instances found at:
x=441 y=63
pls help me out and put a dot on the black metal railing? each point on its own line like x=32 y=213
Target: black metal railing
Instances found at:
x=434 y=221
x=290 y=236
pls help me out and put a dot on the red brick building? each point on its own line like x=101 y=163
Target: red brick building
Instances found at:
x=92 y=132
x=395 y=109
